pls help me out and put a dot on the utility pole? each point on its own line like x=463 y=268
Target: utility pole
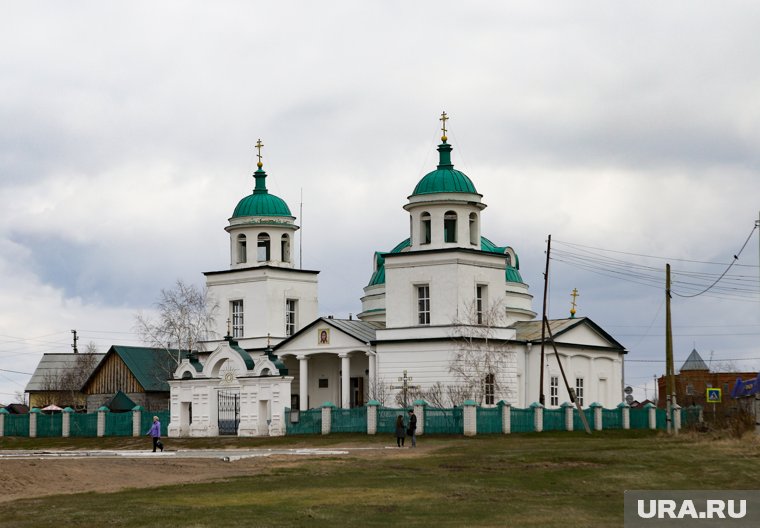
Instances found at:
x=300 y=235
x=544 y=323
x=670 y=382
x=74 y=346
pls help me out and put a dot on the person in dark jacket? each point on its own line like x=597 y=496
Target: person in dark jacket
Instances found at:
x=155 y=433
x=413 y=427
x=400 y=431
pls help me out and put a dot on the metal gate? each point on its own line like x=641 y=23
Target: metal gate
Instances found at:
x=229 y=412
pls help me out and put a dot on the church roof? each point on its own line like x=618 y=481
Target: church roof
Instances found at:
x=512 y=273
x=260 y=202
x=530 y=331
x=694 y=362
x=445 y=179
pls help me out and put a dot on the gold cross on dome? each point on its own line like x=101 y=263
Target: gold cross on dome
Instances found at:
x=573 y=305
x=444 y=118
x=259 y=144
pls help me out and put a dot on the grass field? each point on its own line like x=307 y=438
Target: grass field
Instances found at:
x=546 y=480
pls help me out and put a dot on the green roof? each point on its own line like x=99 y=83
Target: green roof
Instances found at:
x=445 y=179
x=260 y=202
x=151 y=367
x=512 y=273
x=120 y=403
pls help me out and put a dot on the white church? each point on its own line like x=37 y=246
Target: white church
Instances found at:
x=446 y=307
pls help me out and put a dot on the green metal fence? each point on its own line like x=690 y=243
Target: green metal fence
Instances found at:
x=146 y=421
x=444 y=421
x=639 y=418
x=386 y=419
x=661 y=416
x=49 y=425
x=489 y=420
x=554 y=419
x=578 y=423
x=521 y=420
x=119 y=424
x=16 y=425
x=349 y=420
x=612 y=419
x=309 y=422
x=690 y=416
x=82 y=425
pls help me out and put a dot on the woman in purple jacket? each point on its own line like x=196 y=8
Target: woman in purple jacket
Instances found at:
x=155 y=433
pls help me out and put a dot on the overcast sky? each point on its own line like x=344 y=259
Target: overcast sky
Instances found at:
x=127 y=133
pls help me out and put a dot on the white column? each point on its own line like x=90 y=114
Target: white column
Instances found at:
x=137 y=420
x=470 y=418
x=371 y=375
x=652 y=411
x=345 y=381
x=303 y=383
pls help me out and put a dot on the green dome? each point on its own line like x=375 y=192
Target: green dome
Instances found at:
x=445 y=179
x=261 y=203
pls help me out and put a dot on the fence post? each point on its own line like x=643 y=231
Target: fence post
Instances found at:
x=66 y=422
x=676 y=418
x=102 y=420
x=470 y=418
x=625 y=411
x=327 y=408
x=419 y=411
x=506 y=417
x=33 y=422
x=568 y=415
x=652 y=415
x=597 y=415
x=136 y=420
x=3 y=412
x=372 y=416
x=538 y=416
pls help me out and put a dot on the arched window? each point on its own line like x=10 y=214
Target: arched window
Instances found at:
x=489 y=389
x=263 y=251
x=285 y=247
x=425 y=228
x=450 y=226
x=242 y=254
x=474 y=229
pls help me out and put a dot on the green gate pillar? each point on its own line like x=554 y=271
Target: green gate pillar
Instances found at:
x=568 y=415
x=597 y=415
x=102 y=420
x=136 y=420
x=506 y=417
x=33 y=422
x=419 y=410
x=625 y=411
x=470 y=418
x=327 y=408
x=538 y=416
x=676 y=418
x=66 y=422
x=3 y=412
x=652 y=415
x=372 y=416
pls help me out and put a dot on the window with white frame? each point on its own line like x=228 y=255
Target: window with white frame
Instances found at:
x=480 y=303
x=290 y=316
x=423 y=304
x=489 y=389
x=554 y=391
x=579 y=390
x=242 y=253
x=236 y=307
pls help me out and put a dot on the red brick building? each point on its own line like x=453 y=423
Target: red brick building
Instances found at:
x=693 y=380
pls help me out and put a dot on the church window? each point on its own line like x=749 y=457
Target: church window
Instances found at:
x=450 y=226
x=490 y=389
x=554 y=391
x=236 y=307
x=474 y=229
x=579 y=390
x=263 y=253
x=480 y=304
x=285 y=247
x=425 y=228
x=290 y=316
x=242 y=255
x=423 y=305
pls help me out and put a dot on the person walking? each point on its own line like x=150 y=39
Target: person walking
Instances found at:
x=413 y=427
x=400 y=432
x=155 y=433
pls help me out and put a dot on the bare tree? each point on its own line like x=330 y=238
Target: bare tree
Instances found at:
x=185 y=317
x=482 y=361
x=378 y=390
x=64 y=387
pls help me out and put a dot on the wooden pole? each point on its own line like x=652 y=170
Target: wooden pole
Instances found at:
x=669 y=377
x=544 y=323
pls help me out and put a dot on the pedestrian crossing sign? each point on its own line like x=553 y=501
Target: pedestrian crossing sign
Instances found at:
x=713 y=395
